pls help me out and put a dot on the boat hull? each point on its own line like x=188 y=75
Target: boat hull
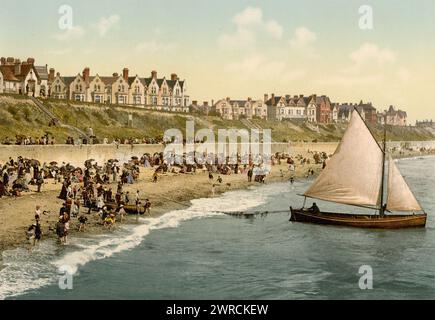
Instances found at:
x=359 y=221
x=129 y=208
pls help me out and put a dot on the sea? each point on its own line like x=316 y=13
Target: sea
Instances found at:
x=201 y=252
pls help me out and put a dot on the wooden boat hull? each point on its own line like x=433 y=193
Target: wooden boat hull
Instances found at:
x=129 y=208
x=359 y=221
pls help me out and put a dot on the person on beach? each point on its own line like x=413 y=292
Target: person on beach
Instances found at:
x=82 y=222
x=75 y=209
x=39 y=182
x=66 y=231
x=147 y=207
x=250 y=172
x=37 y=233
x=155 y=177
x=109 y=221
x=37 y=213
x=212 y=190
x=137 y=198
x=60 y=230
x=121 y=212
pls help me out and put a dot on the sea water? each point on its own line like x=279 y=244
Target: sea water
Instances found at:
x=202 y=253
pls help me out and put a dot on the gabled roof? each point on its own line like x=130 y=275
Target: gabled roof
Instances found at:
x=171 y=83
x=160 y=81
x=8 y=73
x=67 y=80
x=108 y=81
x=42 y=72
x=270 y=101
x=147 y=81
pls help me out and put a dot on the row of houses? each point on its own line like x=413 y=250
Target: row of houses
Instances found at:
x=25 y=77
x=159 y=93
x=313 y=109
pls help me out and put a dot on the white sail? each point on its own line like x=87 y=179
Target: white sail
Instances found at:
x=400 y=197
x=354 y=173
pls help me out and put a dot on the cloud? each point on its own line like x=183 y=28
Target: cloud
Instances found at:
x=370 y=53
x=58 y=52
x=105 y=24
x=154 y=46
x=303 y=37
x=249 y=24
x=274 y=29
x=75 y=32
x=249 y=16
x=257 y=66
x=369 y=65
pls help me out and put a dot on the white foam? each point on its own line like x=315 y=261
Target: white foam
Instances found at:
x=31 y=270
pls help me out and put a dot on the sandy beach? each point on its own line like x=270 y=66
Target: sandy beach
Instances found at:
x=171 y=192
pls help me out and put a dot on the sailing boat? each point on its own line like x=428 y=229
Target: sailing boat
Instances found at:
x=355 y=175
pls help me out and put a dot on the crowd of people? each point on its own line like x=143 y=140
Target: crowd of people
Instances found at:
x=46 y=139
x=98 y=191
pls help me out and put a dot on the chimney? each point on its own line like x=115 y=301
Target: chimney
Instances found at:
x=31 y=61
x=125 y=74
x=58 y=74
x=194 y=103
x=174 y=77
x=228 y=99
x=115 y=74
x=249 y=99
x=301 y=96
x=17 y=69
x=315 y=98
x=154 y=74
x=273 y=98
x=10 y=60
x=287 y=97
x=205 y=103
x=212 y=102
x=3 y=61
x=86 y=72
x=266 y=97
x=295 y=96
x=51 y=75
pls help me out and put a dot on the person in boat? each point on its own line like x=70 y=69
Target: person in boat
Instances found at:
x=314 y=208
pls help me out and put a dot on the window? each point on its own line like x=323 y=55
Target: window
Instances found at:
x=153 y=90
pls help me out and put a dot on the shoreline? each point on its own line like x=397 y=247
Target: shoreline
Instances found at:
x=171 y=192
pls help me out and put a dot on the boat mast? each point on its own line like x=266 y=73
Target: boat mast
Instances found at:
x=384 y=153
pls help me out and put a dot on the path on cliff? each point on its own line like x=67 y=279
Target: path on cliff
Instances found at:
x=56 y=120
x=250 y=125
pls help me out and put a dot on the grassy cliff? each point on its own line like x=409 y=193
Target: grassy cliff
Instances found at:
x=19 y=115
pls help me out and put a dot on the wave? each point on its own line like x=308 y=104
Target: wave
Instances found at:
x=24 y=270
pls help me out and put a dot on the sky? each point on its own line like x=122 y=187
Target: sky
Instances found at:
x=238 y=48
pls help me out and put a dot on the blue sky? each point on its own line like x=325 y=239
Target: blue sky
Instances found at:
x=241 y=48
